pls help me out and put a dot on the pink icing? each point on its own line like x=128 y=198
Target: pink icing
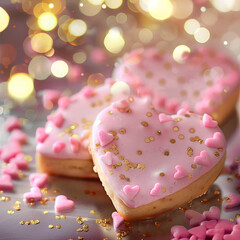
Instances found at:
x=64 y=102
x=6 y=182
x=158 y=74
x=58 y=146
x=38 y=180
x=203 y=159
x=50 y=98
x=79 y=117
x=208 y=121
x=217 y=141
x=57 y=119
x=18 y=136
x=63 y=204
x=117 y=220
x=34 y=195
x=12 y=123
x=146 y=151
x=20 y=161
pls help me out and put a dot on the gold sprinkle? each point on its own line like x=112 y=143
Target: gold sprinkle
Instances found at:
x=157 y=223
x=45 y=212
x=28 y=158
x=187 y=115
x=209 y=83
x=162 y=174
x=167 y=65
x=217 y=154
x=110 y=112
x=229 y=180
x=21 y=222
x=32 y=222
x=58 y=226
x=139 y=152
x=50 y=226
x=130 y=99
x=151 y=106
x=180 y=79
x=149 y=74
x=28 y=223
x=190 y=152
x=159 y=133
x=231 y=219
x=164 y=189
x=121 y=157
x=63 y=216
x=203 y=201
x=148 y=114
x=147 y=140
x=194 y=166
x=177 y=119
x=110 y=172
x=190 y=176
x=192 y=130
x=80 y=238
x=181 y=136
x=196 y=93
x=57 y=216
x=113 y=133
x=217 y=192
x=145 y=124
x=183 y=93
x=162 y=81
x=10 y=212
x=175 y=129
x=119 y=164
x=220 y=149
x=122 y=131
x=166 y=153
x=79 y=230
x=172 y=141
x=37 y=222
x=152 y=138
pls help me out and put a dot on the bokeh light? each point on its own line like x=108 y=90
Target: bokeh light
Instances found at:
x=145 y=35
x=79 y=57
x=113 y=4
x=182 y=8
x=96 y=2
x=47 y=21
x=114 y=41
x=88 y=8
x=77 y=27
x=191 y=25
x=41 y=42
x=223 y=5
x=96 y=79
x=20 y=86
x=202 y=35
x=4 y=19
x=59 y=68
x=39 y=67
x=120 y=88
x=180 y=53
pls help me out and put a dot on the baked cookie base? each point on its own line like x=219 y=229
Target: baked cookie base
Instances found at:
x=163 y=205
x=77 y=168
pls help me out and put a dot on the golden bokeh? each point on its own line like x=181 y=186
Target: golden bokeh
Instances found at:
x=59 y=69
x=96 y=79
x=4 y=19
x=41 y=42
x=77 y=27
x=180 y=53
x=47 y=21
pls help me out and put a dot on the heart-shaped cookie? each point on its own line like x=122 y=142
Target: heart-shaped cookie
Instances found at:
x=205 y=83
x=62 y=147
x=150 y=166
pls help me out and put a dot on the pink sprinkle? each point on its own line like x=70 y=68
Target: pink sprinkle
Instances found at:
x=58 y=146
x=182 y=111
x=216 y=234
x=120 y=105
x=10 y=151
x=172 y=105
x=107 y=159
x=235 y=235
x=143 y=91
x=208 y=121
x=104 y=138
x=234 y=201
x=194 y=217
x=38 y=180
x=20 y=161
x=88 y=92
x=199 y=232
x=34 y=195
x=64 y=102
x=50 y=98
x=203 y=159
x=11 y=170
x=209 y=224
x=159 y=101
x=117 y=220
x=180 y=172
x=12 y=123
x=179 y=232
x=41 y=135
x=164 y=118
x=18 y=136
x=63 y=205
x=131 y=192
x=212 y=214
x=156 y=191
x=6 y=183
x=74 y=144
x=224 y=224
x=218 y=141
x=57 y=119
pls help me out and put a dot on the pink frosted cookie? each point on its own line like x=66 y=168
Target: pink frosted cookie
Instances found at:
x=151 y=163
x=207 y=82
x=62 y=147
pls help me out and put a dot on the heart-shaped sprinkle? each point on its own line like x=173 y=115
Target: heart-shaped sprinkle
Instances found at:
x=156 y=190
x=235 y=235
x=57 y=119
x=104 y=138
x=38 y=180
x=208 y=121
x=9 y=151
x=212 y=214
x=194 y=218
x=117 y=220
x=131 y=192
x=50 y=98
x=12 y=123
x=6 y=183
x=34 y=195
x=199 y=232
x=209 y=224
x=107 y=158
x=179 y=232
x=164 y=118
x=64 y=102
x=234 y=201
x=18 y=136
x=182 y=111
x=180 y=172
x=120 y=105
x=11 y=170
x=225 y=224
x=74 y=144
x=88 y=92
x=159 y=101
x=171 y=105
x=217 y=141
x=63 y=204
x=41 y=135
x=20 y=161
x=203 y=159
x=216 y=234
x=58 y=146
